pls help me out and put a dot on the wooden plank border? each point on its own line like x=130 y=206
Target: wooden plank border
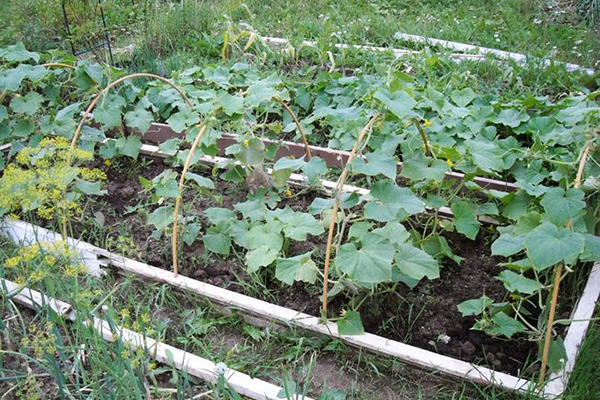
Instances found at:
x=161 y=352
x=159 y=133
x=505 y=55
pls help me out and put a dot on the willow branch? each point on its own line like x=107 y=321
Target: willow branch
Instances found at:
x=295 y=118
x=103 y=93
x=59 y=65
x=336 y=205
x=178 y=200
x=558 y=273
x=421 y=130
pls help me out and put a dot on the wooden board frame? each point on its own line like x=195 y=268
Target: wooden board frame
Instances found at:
x=263 y=311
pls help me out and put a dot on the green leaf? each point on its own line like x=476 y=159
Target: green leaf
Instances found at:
x=463 y=97
x=392 y=202
x=415 y=263
x=216 y=240
x=265 y=235
x=474 y=306
x=260 y=257
x=252 y=209
x=191 y=233
x=289 y=163
x=253 y=154
x=514 y=282
x=486 y=155
x=561 y=205
x=547 y=245
x=592 y=248
x=89 y=188
x=109 y=111
x=3 y=113
x=314 y=168
x=465 y=219
x=369 y=264
x=350 y=324
x=400 y=102
x=298 y=268
x=170 y=146
x=298 y=224
x=419 y=167
x=218 y=214
x=139 y=118
x=557 y=357
x=28 y=104
x=511 y=117
x=200 y=180
x=507 y=245
x=129 y=146
x=505 y=325
x=376 y=163
x=231 y=104
x=161 y=217
x=18 y=53
x=182 y=120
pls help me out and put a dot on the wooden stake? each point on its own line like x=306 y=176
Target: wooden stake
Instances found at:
x=336 y=204
x=421 y=130
x=186 y=167
x=103 y=93
x=558 y=273
x=302 y=133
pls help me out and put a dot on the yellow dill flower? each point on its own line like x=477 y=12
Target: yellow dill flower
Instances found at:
x=13 y=216
x=37 y=276
x=426 y=123
x=50 y=260
x=45 y=212
x=107 y=163
x=12 y=262
x=20 y=280
x=124 y=313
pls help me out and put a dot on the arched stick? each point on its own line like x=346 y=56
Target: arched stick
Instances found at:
x=110 y=86
x=336 y=204
x=178 y=199
x=295 y=118
x=558 y=273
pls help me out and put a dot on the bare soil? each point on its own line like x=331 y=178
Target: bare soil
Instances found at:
x=426 y=317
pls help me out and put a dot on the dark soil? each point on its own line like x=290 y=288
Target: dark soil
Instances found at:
x=426 y=317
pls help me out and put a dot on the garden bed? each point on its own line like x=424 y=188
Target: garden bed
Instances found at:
x=434 y=328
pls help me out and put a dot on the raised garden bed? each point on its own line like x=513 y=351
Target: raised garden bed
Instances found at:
x=428 y=229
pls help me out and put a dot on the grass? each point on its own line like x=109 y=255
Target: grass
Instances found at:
x=44 y=356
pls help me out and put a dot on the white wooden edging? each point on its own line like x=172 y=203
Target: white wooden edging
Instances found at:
x=583 y=313
x=197 y=366
x=26 y=234
x=519 y=58
x=301 y=180
x=506 y=55
x=406 y=353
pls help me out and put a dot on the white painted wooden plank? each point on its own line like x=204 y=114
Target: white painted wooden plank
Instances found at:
x=483 y=51
x=26 y=234
x=584 y=311
x=197 y=366
x=33 y=299
x=285 y=316
x=302 y=180
x=507 y=55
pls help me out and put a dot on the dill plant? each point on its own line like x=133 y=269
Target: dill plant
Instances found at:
x=41 y=180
